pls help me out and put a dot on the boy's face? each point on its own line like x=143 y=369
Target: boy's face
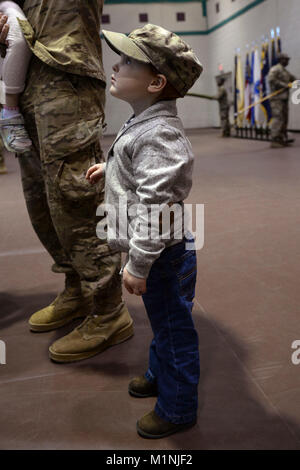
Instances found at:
x=130 y=80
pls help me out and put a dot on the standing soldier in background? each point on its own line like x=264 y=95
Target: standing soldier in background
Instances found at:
x=279 y=78
x=222 y=98
x=63 y=107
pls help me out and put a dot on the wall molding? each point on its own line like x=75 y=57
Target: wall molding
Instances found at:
x=120 y=2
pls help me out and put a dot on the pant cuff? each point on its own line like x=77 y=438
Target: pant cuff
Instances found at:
x=149 y=376
x=61 y=269
x=174 y=419
x=14 y=90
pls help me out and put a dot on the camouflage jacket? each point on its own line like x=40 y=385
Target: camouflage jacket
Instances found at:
x=65 y=34
x=278 y=78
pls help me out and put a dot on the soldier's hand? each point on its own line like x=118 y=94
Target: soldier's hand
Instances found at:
x=95 y=173
x=290 y=85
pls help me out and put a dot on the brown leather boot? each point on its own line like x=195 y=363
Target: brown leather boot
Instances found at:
x=72 y=303
x=152 y=426
x=109 y=325
x=140 y=387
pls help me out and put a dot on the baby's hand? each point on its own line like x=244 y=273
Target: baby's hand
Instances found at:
x=95 y=173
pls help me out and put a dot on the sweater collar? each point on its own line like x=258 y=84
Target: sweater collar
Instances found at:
x=161 y=108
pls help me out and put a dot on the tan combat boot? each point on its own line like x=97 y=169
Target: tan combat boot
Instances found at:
x=72 y=303
x=3 y=169
x=111 y=326
x=277 y=144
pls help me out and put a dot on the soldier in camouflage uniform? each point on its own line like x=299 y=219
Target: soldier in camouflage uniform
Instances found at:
x=222 y=98
x=279 y=78
x=63 y=107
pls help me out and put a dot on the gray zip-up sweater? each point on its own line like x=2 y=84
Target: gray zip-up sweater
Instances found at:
x=150 y=162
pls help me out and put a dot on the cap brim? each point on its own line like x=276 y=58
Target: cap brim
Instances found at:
x=121 y=44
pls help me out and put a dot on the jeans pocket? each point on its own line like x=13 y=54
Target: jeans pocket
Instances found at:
x=185 y=268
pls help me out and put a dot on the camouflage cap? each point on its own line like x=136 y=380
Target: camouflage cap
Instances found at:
x=166 y=51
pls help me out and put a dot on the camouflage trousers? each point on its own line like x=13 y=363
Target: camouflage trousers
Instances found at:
x=280 y=116
x=61 y=203
x=225 y=124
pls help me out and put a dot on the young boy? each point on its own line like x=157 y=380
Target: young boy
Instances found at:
x=150 y=165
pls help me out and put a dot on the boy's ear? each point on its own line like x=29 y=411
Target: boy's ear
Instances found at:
x=157 y=84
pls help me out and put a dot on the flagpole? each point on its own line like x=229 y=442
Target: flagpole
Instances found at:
x=262 y=100
x=208 y=97
x=197 y=95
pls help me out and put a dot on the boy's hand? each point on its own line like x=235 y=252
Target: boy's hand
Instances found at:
x=95 y=173
x=134 y=285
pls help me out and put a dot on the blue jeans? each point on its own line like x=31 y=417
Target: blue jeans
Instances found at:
x=174 y=354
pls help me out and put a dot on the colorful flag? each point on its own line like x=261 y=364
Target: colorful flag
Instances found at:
x=257 y=86
x=274 y=60
x=279 y=45
x=235 y=91
x=265 y=67
x=239 y=90
x=278 y=40
x=247 y=89
x=252 y=89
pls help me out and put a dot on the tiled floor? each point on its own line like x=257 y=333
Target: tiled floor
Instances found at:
x=247 y=312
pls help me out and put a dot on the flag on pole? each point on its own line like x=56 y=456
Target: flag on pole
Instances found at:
x=257 y=85
x=247 y=88
x=235 y=90
x=252 y=88
x=240 y=90
x=278 y=40
x=274 y=60
x=265 y=67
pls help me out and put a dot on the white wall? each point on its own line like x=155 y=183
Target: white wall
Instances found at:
x=227 y=9
x=212 y=49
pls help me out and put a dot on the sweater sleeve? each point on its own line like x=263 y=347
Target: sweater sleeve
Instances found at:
x=162 y=167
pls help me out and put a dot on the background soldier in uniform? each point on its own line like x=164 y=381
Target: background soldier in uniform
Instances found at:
x=63 y=107
x=279 y=78
x=222 y=98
